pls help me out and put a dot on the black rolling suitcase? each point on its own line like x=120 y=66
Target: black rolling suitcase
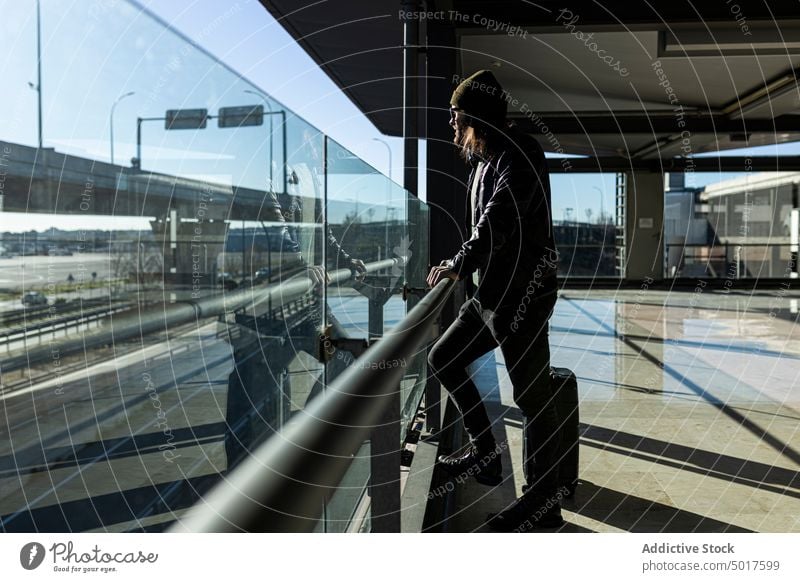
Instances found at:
x=565 y=393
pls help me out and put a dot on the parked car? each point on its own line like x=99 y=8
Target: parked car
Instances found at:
x=226 y=281
x=262 y=274
x=33 y=298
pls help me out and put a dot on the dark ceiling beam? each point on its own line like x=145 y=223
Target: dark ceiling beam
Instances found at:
x=546 y=14
x=358 y=44
x=696 y=164
x=657 y=123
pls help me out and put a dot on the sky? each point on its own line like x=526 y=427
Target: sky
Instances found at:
x=94 y=52
x=248 y=39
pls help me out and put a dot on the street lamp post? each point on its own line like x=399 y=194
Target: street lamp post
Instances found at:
x=271 y=151
x=602 y=211
x=388 y=195
x=38 y=87
x=111 y=120
x=388 y=149
x=266 y=102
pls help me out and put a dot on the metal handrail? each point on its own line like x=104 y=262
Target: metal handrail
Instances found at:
x=717 y=253
x=164 y=316
x=282 y=486
x=726 y=245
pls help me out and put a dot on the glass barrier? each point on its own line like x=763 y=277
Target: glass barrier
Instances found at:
x=729 y=260
x=416 y=252
x=579 y=252
x=162 y=269
x=366 y=225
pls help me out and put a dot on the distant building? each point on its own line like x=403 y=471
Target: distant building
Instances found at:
x=734 y=228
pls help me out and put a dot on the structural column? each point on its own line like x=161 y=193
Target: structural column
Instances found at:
x=410 y=97
x=446 y=172
x=445 y=179
x=644 y=222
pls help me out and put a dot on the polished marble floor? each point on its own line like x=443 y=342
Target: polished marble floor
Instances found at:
x=690 y=413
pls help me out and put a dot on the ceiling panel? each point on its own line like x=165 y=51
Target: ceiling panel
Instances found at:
x=559 y=64
x=707 y=62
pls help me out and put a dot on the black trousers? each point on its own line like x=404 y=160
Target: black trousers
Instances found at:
x=522 y=333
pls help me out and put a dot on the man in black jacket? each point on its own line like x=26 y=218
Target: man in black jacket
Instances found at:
x=510 y=264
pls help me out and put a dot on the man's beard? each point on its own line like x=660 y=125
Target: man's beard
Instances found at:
x=461 y=141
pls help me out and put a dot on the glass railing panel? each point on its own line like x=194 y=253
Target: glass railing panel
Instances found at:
x=367 y=222
x=155 y=319
x=366 y=225
x=163 y=260
x=416 y=253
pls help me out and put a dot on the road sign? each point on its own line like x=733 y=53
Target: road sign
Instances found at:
x=186 y=119
x=245 y=115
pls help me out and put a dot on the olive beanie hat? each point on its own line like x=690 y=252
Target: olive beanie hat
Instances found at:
x=481 y=96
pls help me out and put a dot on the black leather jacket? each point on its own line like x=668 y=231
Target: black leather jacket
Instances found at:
x=512 y=245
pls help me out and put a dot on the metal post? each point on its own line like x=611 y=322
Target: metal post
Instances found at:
x=389 y=150
x=794 y=234
x=433 y=403
x=140 y=267
x=727 y=259
x=410 y=96
x=39 y=66
x=139 y=142
x=111 y=120
x=173 y=235
x=285 y=162
x=388 y=195
x=269 y=252
x=375 y=319
x=266 y=102
x=602 y=210
x=324 y=238
x=385 y=459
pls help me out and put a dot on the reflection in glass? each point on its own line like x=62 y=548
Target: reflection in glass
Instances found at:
x=160 y=316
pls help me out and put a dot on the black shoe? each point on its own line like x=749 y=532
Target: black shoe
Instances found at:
x=484 y=466
x=529 y=512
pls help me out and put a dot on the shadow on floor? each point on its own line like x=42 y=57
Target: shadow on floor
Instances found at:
x=740 y=419
x=636 y=514
x=707 y=463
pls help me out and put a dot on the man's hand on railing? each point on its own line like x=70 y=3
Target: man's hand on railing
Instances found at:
x=359 y=269
x=318 y=275
x=440 y=272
